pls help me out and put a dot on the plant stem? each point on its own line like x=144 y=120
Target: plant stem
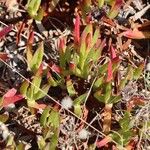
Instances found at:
x=107 y=118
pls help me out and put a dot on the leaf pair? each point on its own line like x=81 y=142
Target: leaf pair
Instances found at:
x=34 y=91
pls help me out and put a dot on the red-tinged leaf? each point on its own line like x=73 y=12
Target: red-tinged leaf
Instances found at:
x=112 y=51
x=115 y=8
x=88 y=40
x=5 y=30
x=108 y=21
x=48 y=75
x=40 y=70
x=10 y=93
x=55 y=68
x=3 y=56
x=31 y=38
x=62 y=45
x=72 y=66
x=11 y=100
x=109 y=72
x=103 y=142
x=136 y=34
x=77 y=29
x=88 y=18
x=21 y=28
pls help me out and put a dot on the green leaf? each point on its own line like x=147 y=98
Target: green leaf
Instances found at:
x=44 y=116
x=81 y=99
x=85 y=7
x=138 y=71
x=30 y=93
x=107 y=92
x=52 y=81
x=36 y=84
x=24 y=87
x=37 y=58
x=20 y=146
x=33 y=7
x=41 y=94
x=115 y=8
x=114 y=99
x=54 y=119
x=70 y=88
x=103 y=68
x=99 y=96
x=41 y=142
x=78 y=102
x=125 y=122
x=95 y=36
x=128 y=77
x=77 y=109
x=54 y=139
x=40 y=14
x=100 y=3
x=29 y=55
x=98 y=82
x=83 y=52
x=104 y=96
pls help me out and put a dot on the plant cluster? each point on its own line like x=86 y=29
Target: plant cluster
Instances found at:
x=89 y=78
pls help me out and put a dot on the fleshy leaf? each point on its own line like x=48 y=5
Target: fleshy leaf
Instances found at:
x=77 y=29
x=36 y=84
x=53 y=119
x=136 y=34
x=77 y=104
x=98 y=82
x=54 y=139
x=37 y=58
x=5 y=31
x=109 y=72
x=10 y=93
x=24 y=87
x=62 y=45
x=44 y=116
x=41 y=94
x=125 y=122
x=40 y=14
x=100 y=3
x=112 y=51
x=70 y=87
x=10 y=97
x=115 y=8
x=103 y=142
x=3 y=56
x=31 y=38
x=55 y=68
x=33 y=7
x=138 y=71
